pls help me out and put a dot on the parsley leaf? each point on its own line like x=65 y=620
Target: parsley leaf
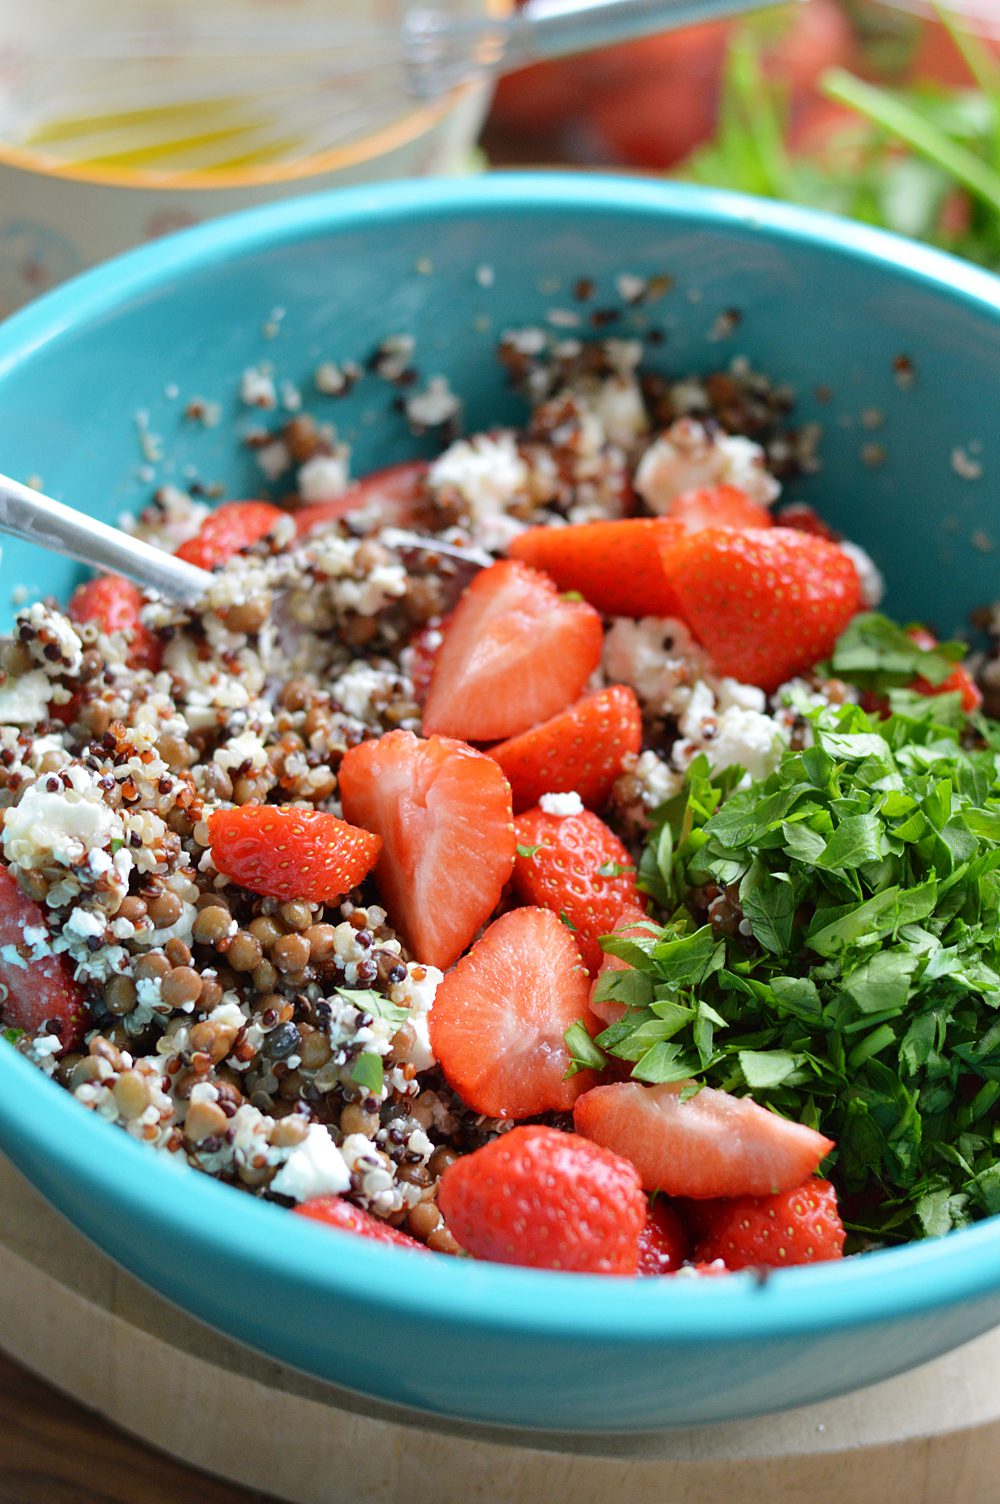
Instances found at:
x=875 y=653
x=527 y=851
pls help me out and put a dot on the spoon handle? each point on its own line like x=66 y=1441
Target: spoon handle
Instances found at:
x=28 y=514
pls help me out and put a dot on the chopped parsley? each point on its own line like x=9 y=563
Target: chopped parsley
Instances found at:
x=614 y=869
x=833 y=946
x=527 y=851
x=12 y=1035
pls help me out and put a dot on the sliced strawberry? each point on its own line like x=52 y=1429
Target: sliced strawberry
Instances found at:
x=499 y=1017
x=710 y=1145
x=114 y=603
x=580 y=870
x=768 y=603
x=35 y=993
x=515 y=653
x=718 y=506
x=580 y=751
x=805 y=520
x=545 y=1199
x=959 y=681
x=443 y=812
x=228 y=530
x=291 y=853
x=800 y=1226
x=663 y=1243
x=627 y=924
x=334 y=1211
x=616 y=566
x=423 y=647
x=395 y=497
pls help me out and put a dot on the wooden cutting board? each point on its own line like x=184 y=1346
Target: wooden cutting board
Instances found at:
x=73 y=1317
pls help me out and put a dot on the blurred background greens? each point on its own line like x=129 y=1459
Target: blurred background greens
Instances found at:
x=887 y=112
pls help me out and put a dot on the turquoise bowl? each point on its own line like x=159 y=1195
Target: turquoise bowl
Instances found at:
x=834 y=309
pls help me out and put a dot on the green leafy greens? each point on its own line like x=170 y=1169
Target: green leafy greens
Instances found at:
x=851 y=977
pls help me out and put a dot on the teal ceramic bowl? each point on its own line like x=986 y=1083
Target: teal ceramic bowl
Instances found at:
x=836 y=310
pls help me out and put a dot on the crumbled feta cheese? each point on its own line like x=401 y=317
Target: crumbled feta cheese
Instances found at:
x=57 y=827
x=488 y=474
x=357 y=689
x=257 y=387
x=687 y=457
x=731 y=737
x=323 y=477
x=658 y=658
x=24 y=700
x=434 y=406
x=561 y=804
x=869 y=575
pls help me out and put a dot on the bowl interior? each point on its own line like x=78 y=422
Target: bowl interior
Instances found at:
x=891 y=348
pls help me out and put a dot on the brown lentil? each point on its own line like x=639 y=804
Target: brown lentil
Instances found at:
x=212 y=925
x=180 y=987
x=290 y=953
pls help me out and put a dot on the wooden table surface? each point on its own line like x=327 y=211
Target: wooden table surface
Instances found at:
x=52 y=1451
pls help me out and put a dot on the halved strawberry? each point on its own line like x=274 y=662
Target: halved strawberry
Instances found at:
x=628 y=924
x=499 y=1017
x=580 y=751
x=959 y=681
x=767 y=603
x=514 y=653
x=806 y=519
x=443 y=812
x=291 y=853
x=580 y=870
x=35 y=993
x=334 y=1211
x=114 y=603
x=545 y=1199
x=423 y=648
x=616 y=566
x=663 y=1243
x=718 y=506
x=395 y=497
x=233 y=526
x=800 y=1226
x=710 y=1145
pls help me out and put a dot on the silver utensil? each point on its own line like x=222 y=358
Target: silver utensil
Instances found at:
x=28 y=514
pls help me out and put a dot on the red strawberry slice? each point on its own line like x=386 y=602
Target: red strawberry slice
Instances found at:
x=514 y=653
x=630 y=923
x=711 y=1145
x=396 y=497
x=114 y=603
x=800 y=1226
x=580 y=751
x=231 y=528
x=663 y=1243
x=959 y=681
x=547 y=1200
x=580 y=870
x=616 y=566
x=334 y=1211
x=718 y=506
x=291 y=853
x=499 y=1017
x=806 y=520
x=423 y=646
x=443 y=812
x=767 y=604
x=35 y=993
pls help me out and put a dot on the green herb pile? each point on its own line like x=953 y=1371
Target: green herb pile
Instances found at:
x=919 y=159
x=860 y=992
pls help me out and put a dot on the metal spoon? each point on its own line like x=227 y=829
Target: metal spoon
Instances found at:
x=28 y=514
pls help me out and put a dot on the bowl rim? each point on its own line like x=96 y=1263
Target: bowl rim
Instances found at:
x=38 y=1118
